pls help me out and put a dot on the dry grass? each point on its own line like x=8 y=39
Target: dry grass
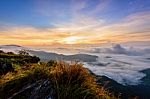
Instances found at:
x=73 y=81
x=69 y=81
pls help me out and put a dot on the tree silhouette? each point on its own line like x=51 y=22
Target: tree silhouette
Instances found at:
x=23 y=52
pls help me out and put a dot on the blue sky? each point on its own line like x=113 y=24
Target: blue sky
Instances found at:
x=43 y=13
x=52 y=14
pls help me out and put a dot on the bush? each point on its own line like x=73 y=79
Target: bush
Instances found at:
x=19 y=58
x=1 y=51
x=10 y=53
x=5 y=66
x=51 y=63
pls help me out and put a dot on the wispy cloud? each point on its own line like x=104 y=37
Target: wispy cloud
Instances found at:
x=101 y=6
x=135 y=27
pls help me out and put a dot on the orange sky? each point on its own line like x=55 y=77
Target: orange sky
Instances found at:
x=132 y=28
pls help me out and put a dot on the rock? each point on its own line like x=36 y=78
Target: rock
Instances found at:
x=38 y=90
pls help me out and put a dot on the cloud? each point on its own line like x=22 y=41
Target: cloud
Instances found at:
x=101 y=6
x=120 y=49
x=135 y=27
x=121 y=63
x=79 y=4
x=135 y=22
x=81 y=22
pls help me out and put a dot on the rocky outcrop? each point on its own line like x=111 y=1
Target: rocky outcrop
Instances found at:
x=38 y=90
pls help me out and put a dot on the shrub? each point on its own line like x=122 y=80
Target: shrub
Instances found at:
x=10 y=53
x=1 y=51
x=19 y=58
x=51 y=63
x=5 y=66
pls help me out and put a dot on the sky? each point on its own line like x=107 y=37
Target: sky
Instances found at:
x=62 y=22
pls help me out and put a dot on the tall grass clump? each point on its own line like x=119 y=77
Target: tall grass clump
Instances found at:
x=73 y=81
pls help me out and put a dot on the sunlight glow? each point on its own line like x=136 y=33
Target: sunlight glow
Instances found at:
x=71 y=40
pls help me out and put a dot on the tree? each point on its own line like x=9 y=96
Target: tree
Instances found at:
x=1 y=51
x=11 y=53
x=23 y=52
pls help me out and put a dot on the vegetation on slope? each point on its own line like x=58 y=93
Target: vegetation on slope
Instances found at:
x=9 y=61
x=55 y=80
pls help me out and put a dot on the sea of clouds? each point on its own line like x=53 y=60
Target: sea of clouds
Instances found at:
x=122 y=64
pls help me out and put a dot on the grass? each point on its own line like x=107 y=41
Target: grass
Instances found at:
x=75 y=80
x=69 y=81
x=13 y=82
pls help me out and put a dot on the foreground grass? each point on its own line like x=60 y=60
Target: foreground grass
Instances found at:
x=12 y=82
x=68 y=81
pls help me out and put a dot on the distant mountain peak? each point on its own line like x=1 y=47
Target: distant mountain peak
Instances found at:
x=13 y=45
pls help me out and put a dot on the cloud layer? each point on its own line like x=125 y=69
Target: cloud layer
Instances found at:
x=83 y=26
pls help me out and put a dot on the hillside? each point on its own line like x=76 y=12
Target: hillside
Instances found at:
x=51 y=80
x=11 y=63
x=24 y=77
x=46 y=56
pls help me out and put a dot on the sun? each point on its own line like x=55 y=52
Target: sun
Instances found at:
x=71 y=40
